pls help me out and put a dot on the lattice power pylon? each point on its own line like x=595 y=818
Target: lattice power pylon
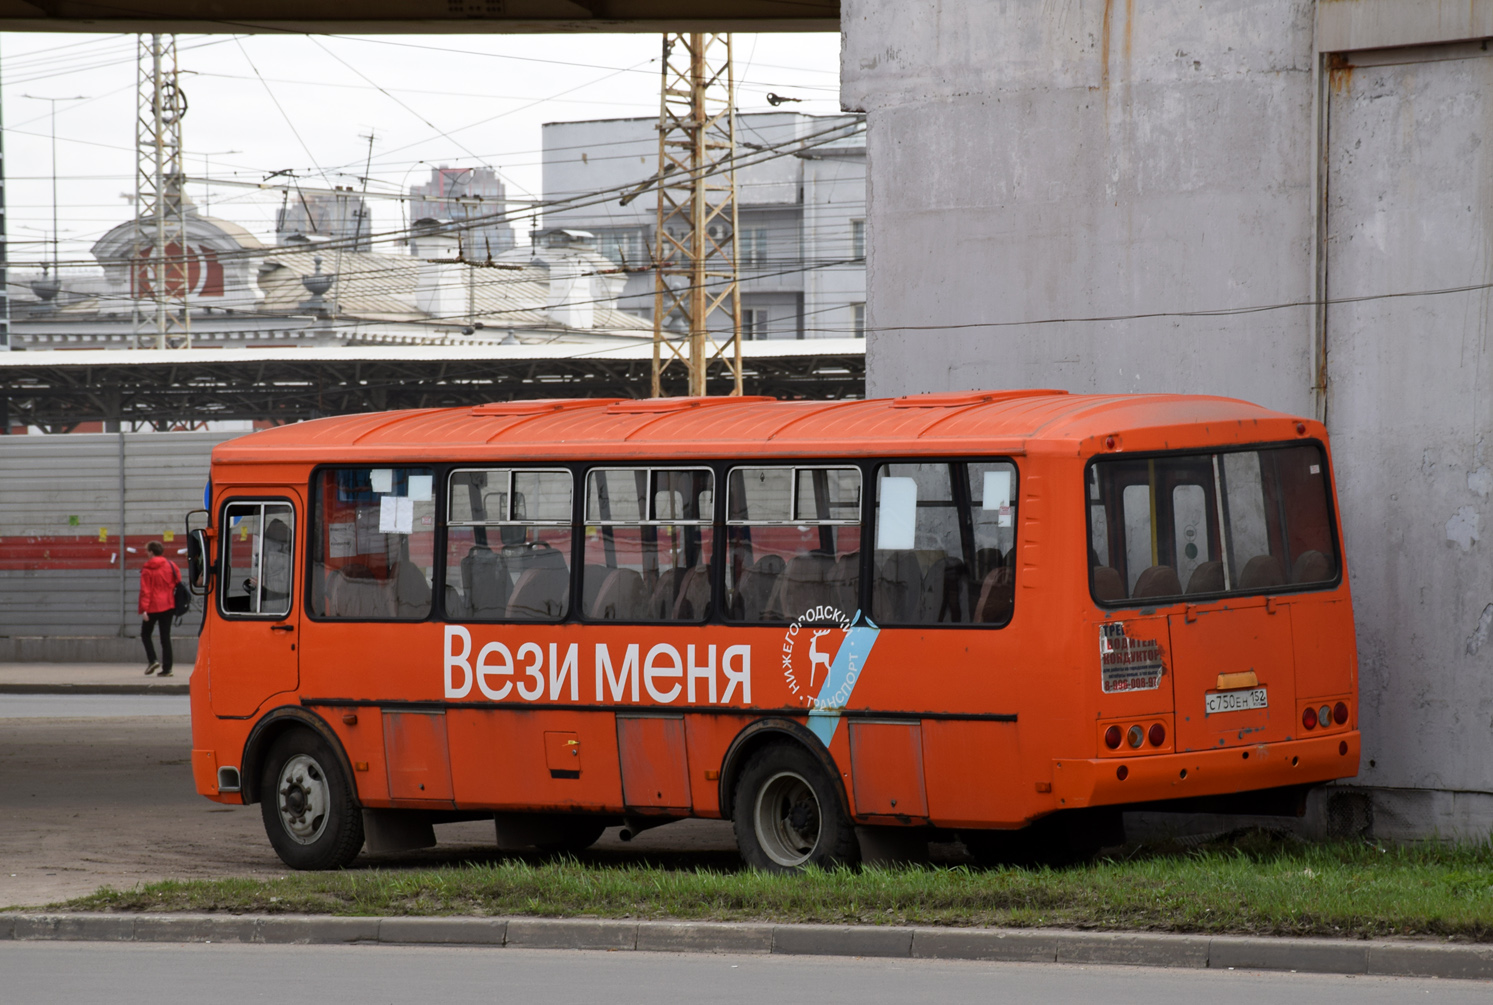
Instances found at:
x=696 y=299
x=159 y=275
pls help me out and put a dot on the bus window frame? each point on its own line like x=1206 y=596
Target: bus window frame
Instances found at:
x=964 y=511
x=219 y=567
x=437 y=610
x=1329 y=486
x=717 y=543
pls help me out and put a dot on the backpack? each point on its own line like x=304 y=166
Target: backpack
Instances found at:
x=183 y=599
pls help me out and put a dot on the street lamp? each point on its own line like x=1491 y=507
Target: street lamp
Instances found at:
x=53 y=101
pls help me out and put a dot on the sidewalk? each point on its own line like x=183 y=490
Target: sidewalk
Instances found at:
x=88 y=678
x=1400 y=958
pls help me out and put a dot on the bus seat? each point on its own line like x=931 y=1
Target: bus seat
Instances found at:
x=411 y=592
x=592 y=576
x=539 y=595
x=997 y=596
x=805 y=583
x=1157 y=581
x=693 y=602
x=1107 y=584
x=757 y=586
x=1206 y=578
x=844 y=582
x=621 y=597
x=944 y=596
x=899 y=581
x=1311 y=567
x=987 y=560
x=484 y=578
x=456 y=604
x=355 y=593
x=1261 y=571
x=661 y=597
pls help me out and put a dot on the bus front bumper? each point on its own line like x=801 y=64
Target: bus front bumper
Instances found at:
x=1109 y=781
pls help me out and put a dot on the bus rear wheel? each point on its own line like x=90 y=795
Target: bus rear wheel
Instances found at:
x=788 y=813
x=307 y=803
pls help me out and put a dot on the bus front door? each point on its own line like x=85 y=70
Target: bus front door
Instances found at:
x=254 y=639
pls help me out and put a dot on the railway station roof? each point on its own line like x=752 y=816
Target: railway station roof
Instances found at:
x=57 y=390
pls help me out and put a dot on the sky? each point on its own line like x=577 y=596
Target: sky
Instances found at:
x=258 y=104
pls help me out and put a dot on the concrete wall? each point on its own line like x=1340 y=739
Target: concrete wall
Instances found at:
x=1044 y=176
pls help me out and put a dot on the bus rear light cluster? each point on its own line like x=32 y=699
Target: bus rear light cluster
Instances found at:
x=1325 y=716
x=1135 y=736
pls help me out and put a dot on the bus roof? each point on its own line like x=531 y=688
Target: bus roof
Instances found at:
x=964 y=422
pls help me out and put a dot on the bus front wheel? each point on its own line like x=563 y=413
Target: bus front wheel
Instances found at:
x=307 y=803
x=788 y=813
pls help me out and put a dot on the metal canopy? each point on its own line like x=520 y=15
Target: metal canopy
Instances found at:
x=58 y=390
x=422 y=16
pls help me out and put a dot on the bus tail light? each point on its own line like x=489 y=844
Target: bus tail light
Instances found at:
x=1340 y=713
x=1158 y=734
x=1112 y=737
x=1309 y=718
x=1324 y=716
x=1135 y=736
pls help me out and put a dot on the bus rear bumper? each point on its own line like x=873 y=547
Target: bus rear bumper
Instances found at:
x=1115 y=780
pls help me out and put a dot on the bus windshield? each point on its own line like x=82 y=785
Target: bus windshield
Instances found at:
x=1209 y=524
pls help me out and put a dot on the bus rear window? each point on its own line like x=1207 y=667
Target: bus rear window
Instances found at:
x=1182 y=525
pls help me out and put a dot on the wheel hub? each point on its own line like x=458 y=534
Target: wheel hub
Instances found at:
x=303 y=796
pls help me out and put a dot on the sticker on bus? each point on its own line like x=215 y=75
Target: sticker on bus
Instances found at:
x=1127 y=664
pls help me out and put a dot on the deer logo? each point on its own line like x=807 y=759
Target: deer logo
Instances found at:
x=816 y=657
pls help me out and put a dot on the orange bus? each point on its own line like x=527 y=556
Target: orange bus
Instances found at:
x=1004 y=615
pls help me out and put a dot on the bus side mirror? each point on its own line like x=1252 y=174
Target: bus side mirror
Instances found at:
x=198 y=562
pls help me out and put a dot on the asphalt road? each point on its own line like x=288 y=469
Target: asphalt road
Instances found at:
x=87 y=706
x=368 y=975
x=95 y=793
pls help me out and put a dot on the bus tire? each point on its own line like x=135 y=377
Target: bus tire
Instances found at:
x=788 y=814
x=307 y=803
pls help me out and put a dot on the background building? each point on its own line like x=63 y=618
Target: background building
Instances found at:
x=802 y=216
x=482 y=236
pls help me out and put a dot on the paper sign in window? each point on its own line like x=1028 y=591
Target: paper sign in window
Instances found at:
x=396 y=515
x=422 y=488
x=997 y=494
x=381 y=479
x=342 y=539
x=896 y=518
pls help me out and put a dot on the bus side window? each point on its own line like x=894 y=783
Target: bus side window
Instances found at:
x=508 y=536
x=793 y=543
x=258 y=549
x=649 y=539
x=945 y=543
x=372 y=544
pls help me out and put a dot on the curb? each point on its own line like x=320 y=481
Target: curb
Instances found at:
x=181 y=688
x=1233 y=952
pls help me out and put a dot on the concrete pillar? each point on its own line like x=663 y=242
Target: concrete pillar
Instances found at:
x=1054 y=186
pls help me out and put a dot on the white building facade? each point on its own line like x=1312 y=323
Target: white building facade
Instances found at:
x=801 y=197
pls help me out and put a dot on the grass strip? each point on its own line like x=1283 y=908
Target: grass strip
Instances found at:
x=1346 y=890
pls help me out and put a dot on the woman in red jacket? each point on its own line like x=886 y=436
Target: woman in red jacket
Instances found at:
x=158 y=581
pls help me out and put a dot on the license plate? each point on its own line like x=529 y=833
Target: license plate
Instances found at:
x=1234 y=701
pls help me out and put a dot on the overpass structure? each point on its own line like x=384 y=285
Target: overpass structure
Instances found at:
x=422 y=16
x=161 y=387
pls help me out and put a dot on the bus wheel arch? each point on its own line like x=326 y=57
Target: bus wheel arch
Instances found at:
x=782 y=762
x=269 y=729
